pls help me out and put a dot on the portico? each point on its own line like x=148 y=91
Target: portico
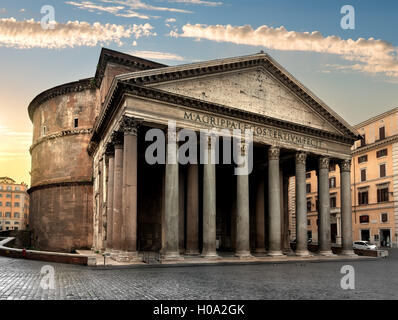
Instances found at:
x=202 y=208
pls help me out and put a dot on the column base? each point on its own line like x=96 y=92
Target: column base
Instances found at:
x=210 y=256
x=326 y=253
x=303 y=253
x=275 y=253
x=243 y=255
x=172 y=256
x=349 y=253
x=115 y=254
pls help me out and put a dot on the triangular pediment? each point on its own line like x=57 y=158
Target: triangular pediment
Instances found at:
x=255 y=84
x=252 y=90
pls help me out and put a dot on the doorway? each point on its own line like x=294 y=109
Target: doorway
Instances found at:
x=385 y=238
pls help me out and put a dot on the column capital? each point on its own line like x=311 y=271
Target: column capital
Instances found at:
x=323 y=163
x=301 y=157
x=109 y=150
x=345 y=165
x=273 y=153
x=130 y=125
x=117 y=139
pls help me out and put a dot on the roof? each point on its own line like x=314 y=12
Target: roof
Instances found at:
x=108 y=55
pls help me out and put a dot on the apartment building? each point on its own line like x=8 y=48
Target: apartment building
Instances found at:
x=14 y=205
x=374 y=186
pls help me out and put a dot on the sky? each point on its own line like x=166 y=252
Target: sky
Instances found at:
x=354 y=71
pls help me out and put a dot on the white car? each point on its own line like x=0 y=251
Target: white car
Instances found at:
x=364 y=245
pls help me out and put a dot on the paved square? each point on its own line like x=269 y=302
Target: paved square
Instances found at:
x=375 y=279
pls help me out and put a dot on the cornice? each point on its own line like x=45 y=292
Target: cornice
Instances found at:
x=60 y=184
x=123 y=88
x=375 y=145
x=76 y=86
x=60 y=134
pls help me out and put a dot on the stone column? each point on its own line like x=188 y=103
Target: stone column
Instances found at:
x=209 y=204
x=171 y=250
x=100 y=204
x=181 y=210
x=346 y=215
x=242 y=213
x=192 y=243
x=274 y=205
x=129 y=203
x=110 y=153
x=117 y=138
x=260 y=215
x=301 y=206
x=324 y=207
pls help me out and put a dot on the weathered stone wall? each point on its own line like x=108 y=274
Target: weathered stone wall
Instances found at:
x=61 y=176
x=61 y=218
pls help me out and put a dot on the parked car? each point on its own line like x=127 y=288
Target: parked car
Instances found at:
x=364 y=245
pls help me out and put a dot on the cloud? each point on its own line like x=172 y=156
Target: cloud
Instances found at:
x=14 y=143
x=139 y=5
x=157 y=55
x=170 y=20
x=200 y=2
x=29 y=34
x=22 y=10
x=115 y=10
x=369 y=55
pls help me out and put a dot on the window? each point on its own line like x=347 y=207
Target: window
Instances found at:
x=8 y=214
x=76 y=122
x=333 y=201
x=17 y=196
x=332 y=167
x=1 y=204
x=363 y=175
x=7 y=222
x=8 y=195
x=308 y=205
x=44 y=130
x=308 y=175
x=363 y=140
x=16 y=215
x=17 y=188
x=16 y=204
x=9 y=188
x=382 y=169
x=332 y=182
x=8 y=204
x=308 y=222
x=363 y=197
x=363 y=158
x=16 y=222
x=1 y=195
x=382 y=133
x=384 y=217
x=382 y=194
x=316 y=204
x=308 y=187
x=381 y=153
x=364 y=219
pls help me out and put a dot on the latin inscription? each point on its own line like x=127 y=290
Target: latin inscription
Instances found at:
x=270 y=133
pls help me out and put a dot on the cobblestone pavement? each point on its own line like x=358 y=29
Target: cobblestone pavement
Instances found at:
x=374 y=279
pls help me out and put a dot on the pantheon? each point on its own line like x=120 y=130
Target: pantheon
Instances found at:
x=91 y=186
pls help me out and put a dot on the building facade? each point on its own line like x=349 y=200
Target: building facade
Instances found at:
x=200 y=207
x=14 y=205
x=374 y=186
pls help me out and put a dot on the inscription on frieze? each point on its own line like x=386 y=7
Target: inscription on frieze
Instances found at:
x=258 y=130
